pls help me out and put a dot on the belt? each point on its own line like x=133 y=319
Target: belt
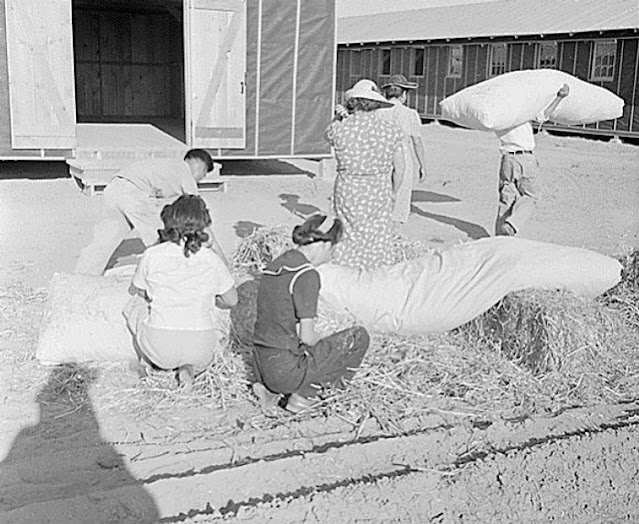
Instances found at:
x=519 y=152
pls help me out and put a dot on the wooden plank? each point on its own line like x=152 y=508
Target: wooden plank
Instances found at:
x=40 y=73
x=217 y=43
x=516 y=56
x=432 y=80
x=528 y=59
x=481 y=71
x=634 y=125
x=582 y=59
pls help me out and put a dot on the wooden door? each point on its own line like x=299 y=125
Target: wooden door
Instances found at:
x=40 y=71
x=215 y=41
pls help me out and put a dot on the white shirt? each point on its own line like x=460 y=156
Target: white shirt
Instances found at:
x=161 y=177
x=182 y=289
x=406 y=118
x=520 y=138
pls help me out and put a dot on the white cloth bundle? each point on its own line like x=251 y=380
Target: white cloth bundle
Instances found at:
x=83 y=320
x=509 y=100
x=443 y=290
x=437 y=292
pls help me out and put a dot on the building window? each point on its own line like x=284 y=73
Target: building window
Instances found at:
x=547 y=55
x=603 y=61
x=385 y=61
x=418 y=61
x=356 y=63
x=497 y=62
x=455 y=61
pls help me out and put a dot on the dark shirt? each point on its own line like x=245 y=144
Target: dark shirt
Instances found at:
x=288 y=292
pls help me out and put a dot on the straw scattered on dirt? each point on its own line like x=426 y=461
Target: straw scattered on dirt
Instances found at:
x=533 y=352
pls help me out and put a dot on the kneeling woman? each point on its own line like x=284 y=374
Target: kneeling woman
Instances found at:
x=290 y=358
x=177 y=286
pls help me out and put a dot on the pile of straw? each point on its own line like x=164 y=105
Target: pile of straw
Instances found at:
x=225 y=382
x=260 y=247
x=535 y=351
x=547 y=331
x=267 y=243
x=624 y=297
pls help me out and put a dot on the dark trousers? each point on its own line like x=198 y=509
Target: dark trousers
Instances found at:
x=329 y=362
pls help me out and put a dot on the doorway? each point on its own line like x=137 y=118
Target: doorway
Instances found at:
x=129 y=63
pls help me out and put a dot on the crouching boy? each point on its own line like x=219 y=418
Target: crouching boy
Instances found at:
x=290 y=358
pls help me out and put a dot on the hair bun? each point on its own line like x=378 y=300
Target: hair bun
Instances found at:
x=310 y=232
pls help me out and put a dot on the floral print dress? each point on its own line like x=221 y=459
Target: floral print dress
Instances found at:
x=363 y=197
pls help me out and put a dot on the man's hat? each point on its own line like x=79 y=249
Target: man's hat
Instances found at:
x=400 y=81
x=367 y=89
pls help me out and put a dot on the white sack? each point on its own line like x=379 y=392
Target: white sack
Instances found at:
x=513 y=98
x=83 y=320
x=443 y=290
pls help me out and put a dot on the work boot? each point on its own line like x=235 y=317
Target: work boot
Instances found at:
x=507 y=230
x=297 y=403
x=185 y=375
x=267 y=399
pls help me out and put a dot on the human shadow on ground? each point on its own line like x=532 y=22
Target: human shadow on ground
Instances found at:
x=245 y=228
x=292 y=203
x=62 y=470
x=474 y=231
x=429 y=196
x=127 y=252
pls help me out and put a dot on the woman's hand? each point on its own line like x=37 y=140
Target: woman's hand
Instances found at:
x=341 y=112
x=227 y=300
x=307 y=332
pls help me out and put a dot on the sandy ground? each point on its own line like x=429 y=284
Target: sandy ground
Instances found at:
x=62 y=464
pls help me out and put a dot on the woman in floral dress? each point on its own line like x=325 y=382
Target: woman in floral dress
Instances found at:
x=370 y=167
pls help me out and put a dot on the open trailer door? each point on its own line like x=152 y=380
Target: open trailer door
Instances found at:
x=215 y=72
x=40 y=72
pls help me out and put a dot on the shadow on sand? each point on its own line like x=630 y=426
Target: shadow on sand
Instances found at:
x=474 y=231
x=293 y=205
x=61 y=470
x=419 y=195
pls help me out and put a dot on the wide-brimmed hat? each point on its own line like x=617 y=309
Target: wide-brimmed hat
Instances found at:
x=400 y=81
x=367 y=89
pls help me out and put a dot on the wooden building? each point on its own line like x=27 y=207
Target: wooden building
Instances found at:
x=448 y=48
x=99 y=81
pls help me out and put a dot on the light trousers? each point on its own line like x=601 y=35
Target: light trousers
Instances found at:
x=125 y=208
x=519 y=190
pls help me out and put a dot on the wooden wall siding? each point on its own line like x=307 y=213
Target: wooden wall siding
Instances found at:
x=128 y=65
x=528 y=61
x=482 y=64
x=470 y=63
x=573 y=56
x=421 y=93
x=516 y=55
x=626 y=83
x=5 y=109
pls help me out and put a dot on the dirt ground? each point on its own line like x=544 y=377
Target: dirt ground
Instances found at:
x=72 y=451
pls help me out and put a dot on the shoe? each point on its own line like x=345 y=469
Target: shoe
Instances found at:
x=185 y=375
x=267 y=399
x=297 y=403
x=141 y=368
x=507 y=230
